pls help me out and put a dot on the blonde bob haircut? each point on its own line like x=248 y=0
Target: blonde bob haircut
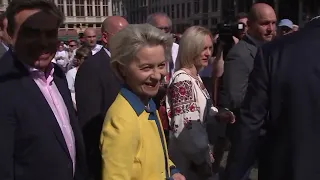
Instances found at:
x=125 y=44
x=191 y=45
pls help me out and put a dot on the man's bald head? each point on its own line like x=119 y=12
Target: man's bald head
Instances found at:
x=111 y=26
x=90 y=37
x=262 y=22
x=89 y=31
x=258 y=10
x=161 y=21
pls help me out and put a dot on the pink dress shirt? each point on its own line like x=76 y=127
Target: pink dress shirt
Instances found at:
x=51 y=93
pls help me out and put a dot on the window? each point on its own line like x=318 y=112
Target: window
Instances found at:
x=196 y=22
x=178 y=10
x=89 y=8
x=97 y=8
x=205 y=22
x=79 y=8
x=69 y=8
x=214 y=5
x=60 y=5
x=105 y=7
x=168 y=9
x=214 y=21
x=183 y=7
x=163 y=9
x=196 y=5
x=188 y=9
x=205 y=6
x=172 y=11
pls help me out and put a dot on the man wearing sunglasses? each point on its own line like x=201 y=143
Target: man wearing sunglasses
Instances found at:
x=285 y=27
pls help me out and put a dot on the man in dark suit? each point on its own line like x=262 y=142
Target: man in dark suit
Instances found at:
x=96 y=89
x=39 y=134
x=240 y=59
x=285 y=83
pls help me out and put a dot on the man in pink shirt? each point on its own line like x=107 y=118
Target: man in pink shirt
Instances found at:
x=40 y=137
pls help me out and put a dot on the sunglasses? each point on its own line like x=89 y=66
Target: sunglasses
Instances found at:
x=166 y=29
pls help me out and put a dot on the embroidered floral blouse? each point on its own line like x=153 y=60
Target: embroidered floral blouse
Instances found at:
x=185 y=101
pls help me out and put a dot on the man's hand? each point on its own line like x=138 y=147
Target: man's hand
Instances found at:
x=178 y=176
x=235 y=40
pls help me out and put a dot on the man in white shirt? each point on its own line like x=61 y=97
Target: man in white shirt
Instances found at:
x=61 y=58
x=90 y=39
x=164 y=23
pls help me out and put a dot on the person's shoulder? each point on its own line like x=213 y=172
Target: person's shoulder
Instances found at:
x=8 y=64
x=293 y=43
x=92 y=63
x=239 y=47
x=118 y=107
x=238 y=51
x=71 y=72
x=180 y=76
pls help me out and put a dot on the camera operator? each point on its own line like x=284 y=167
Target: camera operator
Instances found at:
x=242 y=18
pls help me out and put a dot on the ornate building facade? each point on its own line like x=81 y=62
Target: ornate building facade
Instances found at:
x=81 y=14
x=183 y=13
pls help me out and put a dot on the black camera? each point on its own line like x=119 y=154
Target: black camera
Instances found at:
x=226 y=31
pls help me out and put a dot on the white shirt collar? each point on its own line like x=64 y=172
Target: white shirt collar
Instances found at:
x=96 y=49
x=5 y=46
x=107 y=51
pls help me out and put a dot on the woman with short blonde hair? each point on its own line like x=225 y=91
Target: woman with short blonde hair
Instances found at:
x=132 y=140
x=191 y=45
x=126 y=50
x=189 y=106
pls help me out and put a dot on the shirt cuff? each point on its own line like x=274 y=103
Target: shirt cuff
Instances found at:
x=173 y=170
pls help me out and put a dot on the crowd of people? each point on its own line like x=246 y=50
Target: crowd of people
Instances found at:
x=142 y=107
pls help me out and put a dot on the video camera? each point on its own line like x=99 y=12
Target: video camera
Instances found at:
x=227 y=30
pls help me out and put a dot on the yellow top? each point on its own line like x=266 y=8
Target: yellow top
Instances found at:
x=132 y=141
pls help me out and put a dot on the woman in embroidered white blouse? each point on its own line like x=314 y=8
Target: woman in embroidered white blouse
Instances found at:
x=189 y=106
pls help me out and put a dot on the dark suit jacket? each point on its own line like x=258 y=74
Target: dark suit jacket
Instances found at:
x=96 y=89
x=237 y=67
x=286 y=82
x=32 y=145
x=2 y=50
x=233 y=84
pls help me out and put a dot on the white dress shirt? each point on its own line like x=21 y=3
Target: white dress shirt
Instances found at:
x=96 y=49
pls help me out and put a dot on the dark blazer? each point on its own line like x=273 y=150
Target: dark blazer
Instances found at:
x=96 y=89
x=286 y=82
x=237 y=67
x=2 y=50
x=233 y=84
x=32 y=144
